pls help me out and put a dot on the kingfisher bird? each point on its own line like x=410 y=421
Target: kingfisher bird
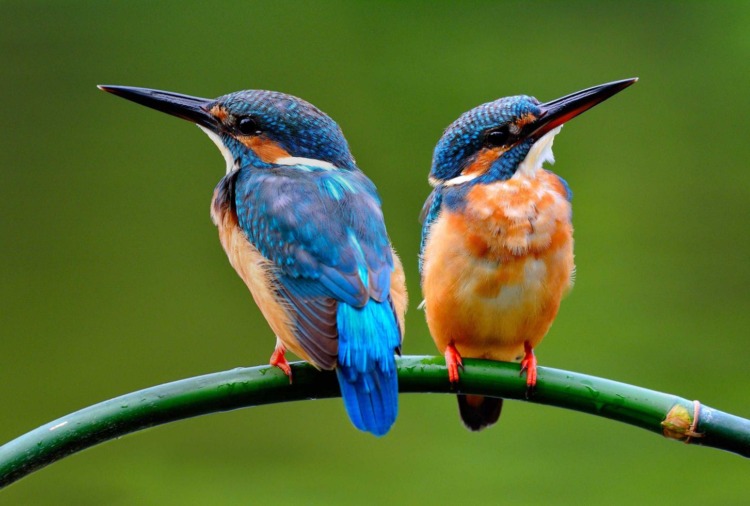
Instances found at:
x=497 y=238
x=304 y=229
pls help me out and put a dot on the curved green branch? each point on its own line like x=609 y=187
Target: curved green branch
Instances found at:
x=658 y=412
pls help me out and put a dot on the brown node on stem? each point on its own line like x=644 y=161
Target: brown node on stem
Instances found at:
x=680 y=425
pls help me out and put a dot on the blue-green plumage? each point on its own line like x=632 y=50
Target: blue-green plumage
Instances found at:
x=293 y=193
x=334 y=266
x=366 y=370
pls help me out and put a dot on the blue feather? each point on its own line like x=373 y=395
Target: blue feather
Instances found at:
x=366 y=368
x=306 y=232
x=568 y=191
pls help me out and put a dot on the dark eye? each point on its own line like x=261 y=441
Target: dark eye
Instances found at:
x=497 y=137
x=248 y=126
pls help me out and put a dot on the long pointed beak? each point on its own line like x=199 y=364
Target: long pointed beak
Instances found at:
x=193 y=109
x=557 y=112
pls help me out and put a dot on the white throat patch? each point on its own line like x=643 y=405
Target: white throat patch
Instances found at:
x=289 y=160
x=305 y=162
x=539 y=153
x=224 y=150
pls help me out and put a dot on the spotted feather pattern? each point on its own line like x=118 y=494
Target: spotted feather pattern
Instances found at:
x=462 y=140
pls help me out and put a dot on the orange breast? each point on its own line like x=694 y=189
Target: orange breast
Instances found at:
x=399 y=296
x=494 y=274
x=256 y=271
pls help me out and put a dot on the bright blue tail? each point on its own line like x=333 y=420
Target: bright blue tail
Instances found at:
x=368 y=338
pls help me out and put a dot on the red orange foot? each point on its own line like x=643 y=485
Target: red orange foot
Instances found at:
x=528 y=364
x=278 y=359
x=453 y=362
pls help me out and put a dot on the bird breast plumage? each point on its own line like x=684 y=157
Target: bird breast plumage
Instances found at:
x=256 y=271
x=496 y=270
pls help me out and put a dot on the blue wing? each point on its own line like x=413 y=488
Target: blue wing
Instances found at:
x=325 y=233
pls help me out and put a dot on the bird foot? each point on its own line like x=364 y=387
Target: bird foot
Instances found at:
x=278 y=359
x=528 y=364
x=453 y=362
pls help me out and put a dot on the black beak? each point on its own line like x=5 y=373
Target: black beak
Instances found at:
x=193 y=109
x=557 y=112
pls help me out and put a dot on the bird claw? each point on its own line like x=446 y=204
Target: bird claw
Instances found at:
x=278 y=359
x=528 y=365
x=453 y=362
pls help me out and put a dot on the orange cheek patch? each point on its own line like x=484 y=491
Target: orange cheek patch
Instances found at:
x=483 y=162
x=266 y=149
x=525 y=120
x=219 y=113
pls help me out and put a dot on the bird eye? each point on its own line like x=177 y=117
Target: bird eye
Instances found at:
x=248 y=126
x=497 y=137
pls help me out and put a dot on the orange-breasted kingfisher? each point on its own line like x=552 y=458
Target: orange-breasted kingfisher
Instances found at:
x=497 y=238
x=303 y=228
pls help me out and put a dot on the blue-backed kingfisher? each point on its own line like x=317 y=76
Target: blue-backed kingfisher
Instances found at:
x=303 y=228
x=497 y=239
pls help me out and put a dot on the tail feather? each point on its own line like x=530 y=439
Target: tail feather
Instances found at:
x=366 y=367
x=478 y=412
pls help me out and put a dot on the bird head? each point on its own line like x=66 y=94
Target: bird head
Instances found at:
x=494 y=141
x=255 y=127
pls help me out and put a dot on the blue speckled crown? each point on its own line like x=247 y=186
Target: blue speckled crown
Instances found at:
x=463 y=138
x=298 y=126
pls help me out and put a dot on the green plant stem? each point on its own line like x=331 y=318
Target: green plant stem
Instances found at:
x=255 y=386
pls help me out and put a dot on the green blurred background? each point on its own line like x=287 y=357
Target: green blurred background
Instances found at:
x=113 y=279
